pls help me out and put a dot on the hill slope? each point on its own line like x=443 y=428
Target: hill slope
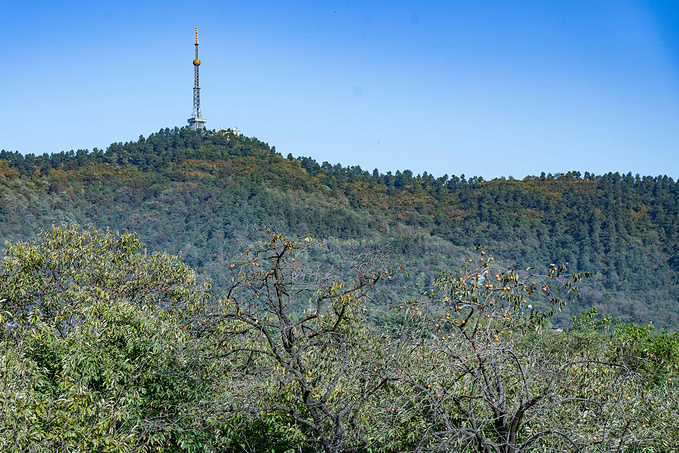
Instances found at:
x=205 y=194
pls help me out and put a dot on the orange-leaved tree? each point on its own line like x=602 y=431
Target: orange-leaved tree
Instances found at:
x=292 y=346
x=480 y=372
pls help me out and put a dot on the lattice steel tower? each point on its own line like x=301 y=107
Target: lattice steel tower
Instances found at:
x=196 y=122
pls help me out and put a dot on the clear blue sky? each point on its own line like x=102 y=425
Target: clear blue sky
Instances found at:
x=487 y=88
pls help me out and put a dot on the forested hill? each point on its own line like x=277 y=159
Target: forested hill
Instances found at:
x=205 y=193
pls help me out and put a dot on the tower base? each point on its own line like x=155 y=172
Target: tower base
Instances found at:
x=197 y=123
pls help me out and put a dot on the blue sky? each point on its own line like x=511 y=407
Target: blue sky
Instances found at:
x=485 y=88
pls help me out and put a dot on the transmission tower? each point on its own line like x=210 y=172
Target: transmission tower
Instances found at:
x=196 y=122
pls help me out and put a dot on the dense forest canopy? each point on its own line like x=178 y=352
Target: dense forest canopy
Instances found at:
x=203 y=194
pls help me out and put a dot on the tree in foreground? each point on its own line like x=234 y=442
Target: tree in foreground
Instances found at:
x=91 y=344
x=295 y=348
x=478 y=372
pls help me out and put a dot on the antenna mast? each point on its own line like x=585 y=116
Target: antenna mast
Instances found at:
x=196 y=122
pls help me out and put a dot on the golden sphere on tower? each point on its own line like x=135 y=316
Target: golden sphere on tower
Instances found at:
x=196 y=62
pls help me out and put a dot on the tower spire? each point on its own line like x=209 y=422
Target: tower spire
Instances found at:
x=196 y=122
